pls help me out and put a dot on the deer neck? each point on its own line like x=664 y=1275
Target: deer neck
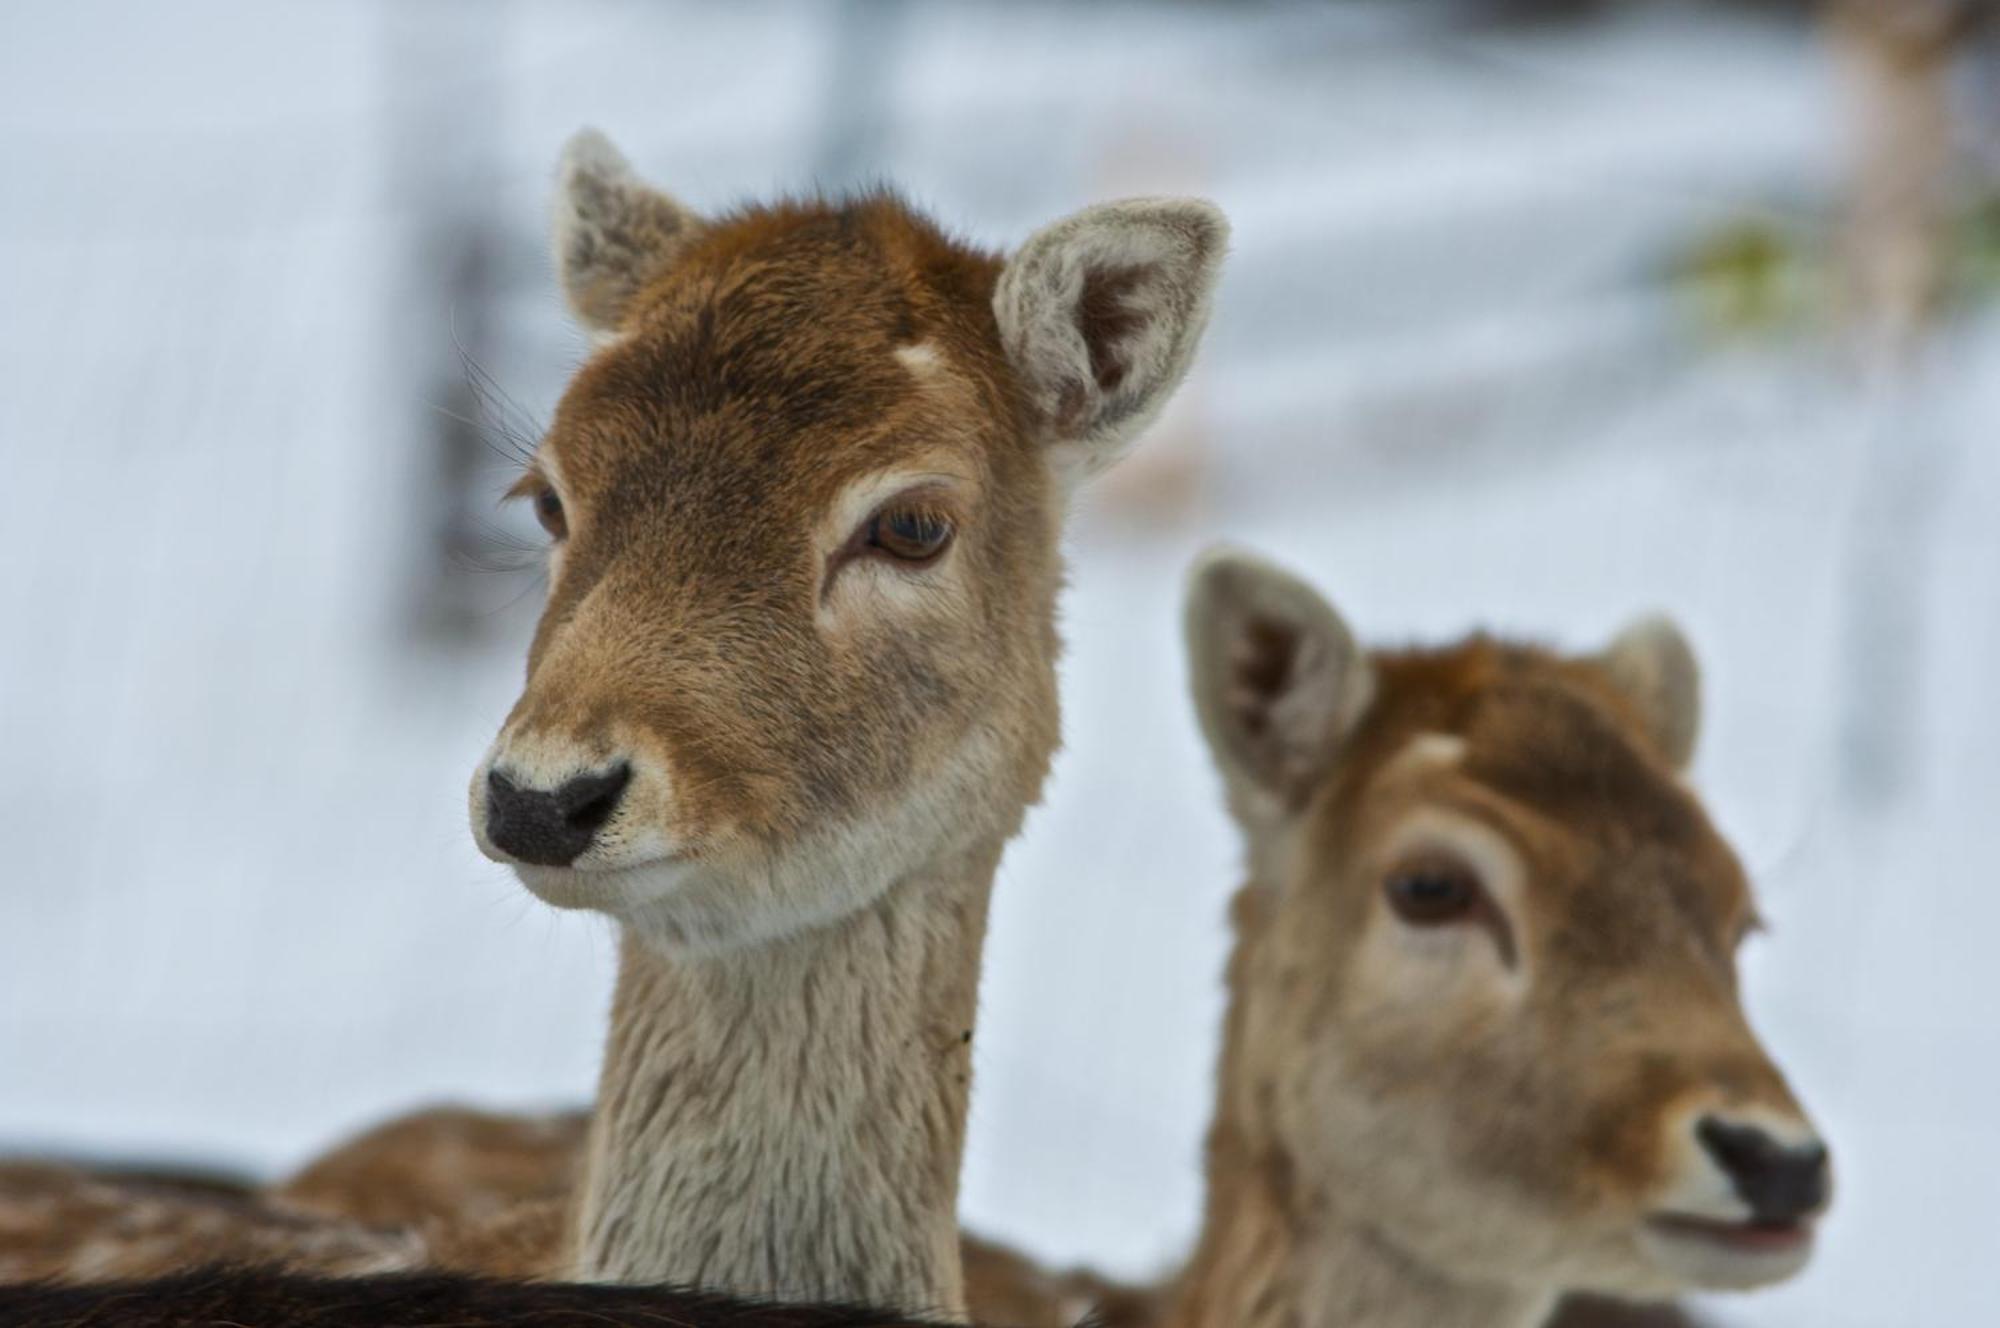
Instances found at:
x=1277 y=1251
x=787 y=1121
x=1271 y=1258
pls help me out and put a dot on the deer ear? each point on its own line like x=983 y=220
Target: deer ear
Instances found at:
x=612 y=232
x=1100 y=314
x=1653 y=665
x=1279 y=683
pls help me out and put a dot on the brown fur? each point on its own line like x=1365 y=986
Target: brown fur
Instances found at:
x=814 y=750
x=265 y=1298
x=447 y=1164
x=1553 y=1103
x=1416 y=1125
x=755 y=378
x=58 y=1221
x=1539 y=1118
x=827 y=745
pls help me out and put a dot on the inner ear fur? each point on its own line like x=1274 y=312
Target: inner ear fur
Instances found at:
x=611 y=232
x=1100 y=314
x=1279 y=681
x=1652 y=664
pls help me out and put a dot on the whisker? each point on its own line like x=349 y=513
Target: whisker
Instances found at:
x=493 y=548
x=517 y=452
x=515 y=421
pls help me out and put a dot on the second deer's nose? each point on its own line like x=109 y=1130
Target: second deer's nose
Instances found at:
x=552 y=827
x=1781 y=1182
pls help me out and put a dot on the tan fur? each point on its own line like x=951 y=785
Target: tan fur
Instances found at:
x=828 y=749
x=450 y=1165
x=479 y=1201
x=1574 y=767
x=1462 y=1157
x=61 y=1223
x=1412 y=1129
x=821 y=749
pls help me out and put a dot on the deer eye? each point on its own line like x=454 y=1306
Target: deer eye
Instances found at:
x=910 y=534
x=549 y=511
x=1433 y=891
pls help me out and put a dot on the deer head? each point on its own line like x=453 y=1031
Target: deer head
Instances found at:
x=804 y=501
x=1486 y=1000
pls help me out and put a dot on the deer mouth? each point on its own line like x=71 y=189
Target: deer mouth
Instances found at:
x=1728 y=1255
x=1749 y=1237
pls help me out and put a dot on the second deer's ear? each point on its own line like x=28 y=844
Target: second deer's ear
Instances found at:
x=1279 y=682
x=612 y=232
x=1653 y=665
x=1100 y=314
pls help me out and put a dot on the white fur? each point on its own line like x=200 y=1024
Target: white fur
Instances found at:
x=610 y=232
x=1175 y=245
x=921 y=358
x=1426 y=751
x=750 y=896
x=1328 y=689
x=1653 y=663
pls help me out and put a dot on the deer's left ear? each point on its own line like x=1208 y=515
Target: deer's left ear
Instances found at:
x=1279 y=682
x=1100 y=314
x=612 y=232
x=1653 y=665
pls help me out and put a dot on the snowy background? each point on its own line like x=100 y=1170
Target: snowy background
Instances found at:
x=258 y=624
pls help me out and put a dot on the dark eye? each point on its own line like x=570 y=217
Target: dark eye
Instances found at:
x=549 y=511
x=910 y=534
x=1431 y=893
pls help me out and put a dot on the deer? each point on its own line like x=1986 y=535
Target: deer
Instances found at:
x=1484 y=1045
x=794 y=688
x=1485 y=1061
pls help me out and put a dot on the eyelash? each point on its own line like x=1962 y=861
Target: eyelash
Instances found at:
x=914 y=534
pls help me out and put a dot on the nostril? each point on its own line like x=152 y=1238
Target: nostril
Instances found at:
x=588 y=800
x=1781 y=1182
x=551 y=828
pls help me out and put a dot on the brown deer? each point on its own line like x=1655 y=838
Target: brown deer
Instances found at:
x=794 y=689
x=1485 y=1043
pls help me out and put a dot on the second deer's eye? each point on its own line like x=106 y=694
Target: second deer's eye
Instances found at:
x=549 y=511
x=910 y=534
x=1432 y=892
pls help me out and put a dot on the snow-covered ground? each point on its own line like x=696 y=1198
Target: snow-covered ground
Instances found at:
x=239 y=911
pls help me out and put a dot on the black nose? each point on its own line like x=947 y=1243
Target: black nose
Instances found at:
x=552 y=827
x=1780 y=1182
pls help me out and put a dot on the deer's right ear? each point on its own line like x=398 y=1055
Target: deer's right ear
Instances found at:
x=612 y=232
x=1279 y=682
x=1100 y=313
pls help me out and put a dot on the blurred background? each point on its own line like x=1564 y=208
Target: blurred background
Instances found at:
x=1540 y=315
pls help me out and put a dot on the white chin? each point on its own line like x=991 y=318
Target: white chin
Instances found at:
x=1716 y=1256
x=617 y=892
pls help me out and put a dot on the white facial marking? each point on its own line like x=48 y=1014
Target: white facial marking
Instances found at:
x=922 y=359
x=1426 y=751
